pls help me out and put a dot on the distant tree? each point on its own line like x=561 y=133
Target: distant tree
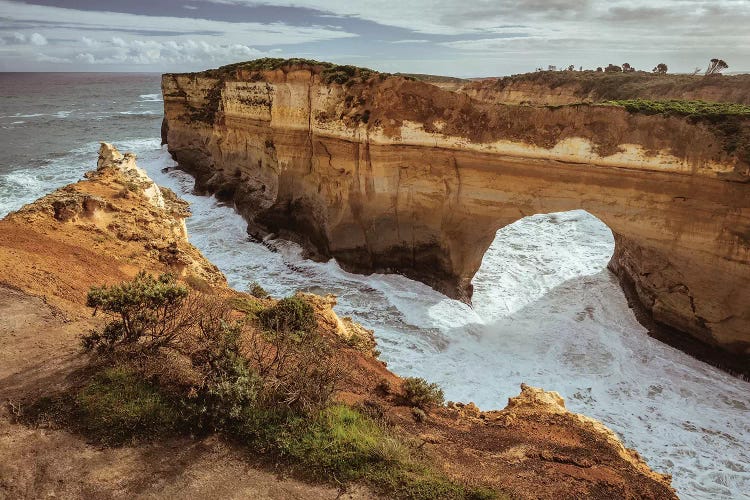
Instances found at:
x=627 y=68
x=599 y=69
x=571 y=68
x=611 y=68
x=580 y=68
x=551 y=67
x=716 y=66
x=660 y=69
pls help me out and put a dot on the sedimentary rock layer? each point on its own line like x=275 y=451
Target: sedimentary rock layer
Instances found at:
x=393 y=175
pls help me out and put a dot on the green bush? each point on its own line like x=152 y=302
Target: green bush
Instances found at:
x=422 y=394
x=682 y=107
x=257 y=291
x=229 y=383
x=144 y=309
x=291 y=314
x=117 y=406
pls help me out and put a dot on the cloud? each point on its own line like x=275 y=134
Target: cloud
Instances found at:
x=37 y=39
x=51 y=59
x=411 y=41
x=72 y=20
x=439 y=17
x=456 y=37
x=149 y=52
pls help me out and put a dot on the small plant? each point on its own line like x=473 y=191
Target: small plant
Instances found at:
x=422 y=394
x=147 y=310
x=257 y=291
x=291 y=315
x=418 y=414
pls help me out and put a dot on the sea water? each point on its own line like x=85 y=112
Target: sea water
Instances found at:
x=546 y=311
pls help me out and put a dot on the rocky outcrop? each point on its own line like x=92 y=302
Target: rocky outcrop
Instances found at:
x=393 y=175
x=102 y=229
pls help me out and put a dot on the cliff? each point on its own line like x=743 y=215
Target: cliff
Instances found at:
x=116 y=222
x=388 y=174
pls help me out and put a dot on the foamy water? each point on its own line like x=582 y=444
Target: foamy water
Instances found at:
x=546 y=312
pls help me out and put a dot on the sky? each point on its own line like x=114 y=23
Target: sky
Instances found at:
x=462 y=38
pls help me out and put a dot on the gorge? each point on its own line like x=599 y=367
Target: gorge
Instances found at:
x=388 y=174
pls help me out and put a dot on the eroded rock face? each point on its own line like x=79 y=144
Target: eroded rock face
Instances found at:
x=392 y=175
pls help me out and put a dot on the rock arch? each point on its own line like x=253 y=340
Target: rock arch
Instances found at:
x=411 y=193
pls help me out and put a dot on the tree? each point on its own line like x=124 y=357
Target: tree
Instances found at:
x=571 y=68
x=599 y=69
x=716 y=66
x=611 y=68
x=660 y=69
x=551 y=67
x=627 y=68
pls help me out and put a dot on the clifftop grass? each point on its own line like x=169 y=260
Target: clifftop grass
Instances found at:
x=600 y=86
x=682 y=107
x=330 y=72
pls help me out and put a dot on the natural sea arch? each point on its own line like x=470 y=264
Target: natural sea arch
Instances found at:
x=682 y=248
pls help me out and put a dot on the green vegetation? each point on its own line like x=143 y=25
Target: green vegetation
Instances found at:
x=682 y=107
x=174 y=361
x=422 y=394
x=603 y=86
x=330 y=72
x=291 y=314
x=146 y=309
x=344 y=444
x=258 y=291
x=729 y=121
x=118 y=405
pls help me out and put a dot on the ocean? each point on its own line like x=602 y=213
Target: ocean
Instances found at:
x=546 y=311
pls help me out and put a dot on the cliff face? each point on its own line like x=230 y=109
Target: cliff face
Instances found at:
x=393 y=175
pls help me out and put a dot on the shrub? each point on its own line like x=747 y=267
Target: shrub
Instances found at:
x=147 y=309
x=257 y=291
x=418 y=414
x=117 y=406
x=682 y=107
x=289 y=315
x=422 y=394
x=297 y=365
x=229 y=385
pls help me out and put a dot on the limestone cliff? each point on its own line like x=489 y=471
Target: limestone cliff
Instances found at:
x=395 y=175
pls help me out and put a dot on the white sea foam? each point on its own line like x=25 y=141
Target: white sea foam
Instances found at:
x=21 y=115
x=546 y=312
x=151 y=98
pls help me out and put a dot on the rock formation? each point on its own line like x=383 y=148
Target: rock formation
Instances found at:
x=117 y=222
x=388 y=174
